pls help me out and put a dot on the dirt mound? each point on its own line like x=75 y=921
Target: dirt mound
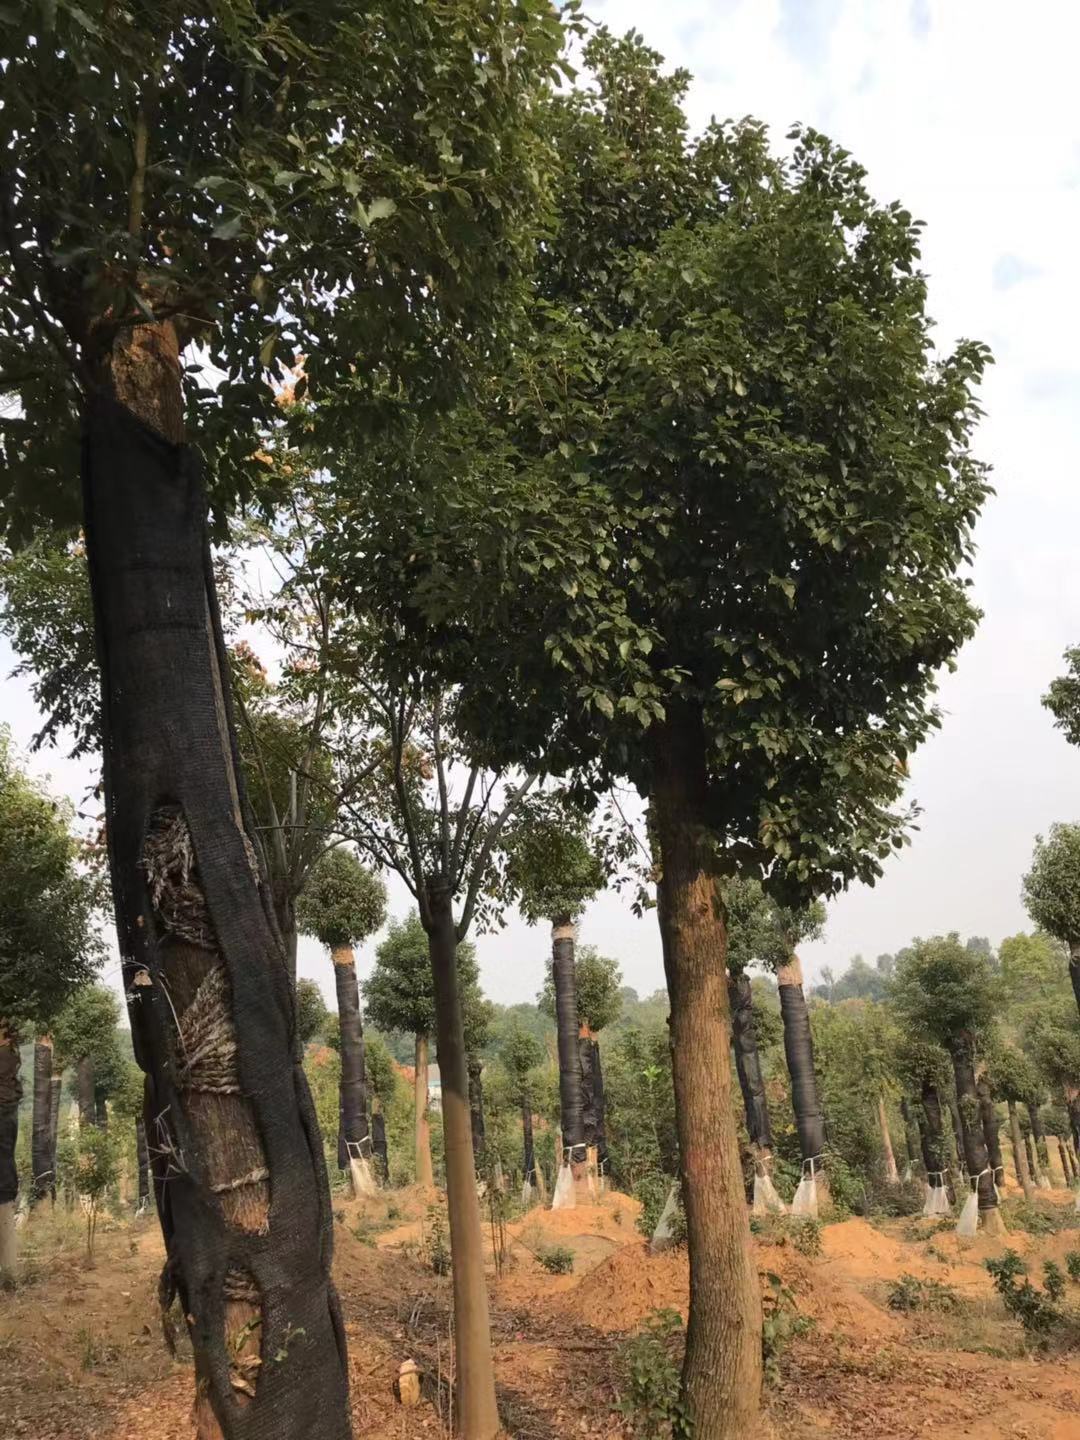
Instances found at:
x=624 y=1288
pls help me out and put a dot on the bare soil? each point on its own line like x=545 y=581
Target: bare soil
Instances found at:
x=82 y=1356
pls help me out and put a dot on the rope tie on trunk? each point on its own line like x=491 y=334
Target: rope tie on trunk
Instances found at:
x=208 y=1040
x=568 y=1153
x=941 y=1174
x=974 y=1179
x=356 y=1147
x=811 y=1160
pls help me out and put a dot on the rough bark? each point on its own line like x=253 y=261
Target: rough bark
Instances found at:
x=566 y=1023
x=425 y=1173
x=246 y=1209
x=84 y=1089
x=10 y=1095
x=799 y=1053
x=748 y=1064
x=142 y=1151
x=959 y=1142
x=721 y=1377
x=892 y=1175
x=909 y=1143
x=601 y=1111
x=962 y=1053
x=352 y=1094
x=1032 y=1158
x=1064 y=1159
x=1038 y=1135
x=588 y=1085
x=478 y=1415
x=476 y=1111
x=56 y=1083
x=933 y=1137
x=41 y=1156
x=378 y=1143
x=1020 y=1159
x=528 y=1166
x=991 y=1132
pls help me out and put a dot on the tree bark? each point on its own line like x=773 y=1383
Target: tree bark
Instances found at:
x=588 y=1085
x=721 y=1377
x=476 y=1111
x=142 y=1152
x=378 y=1142
x=528 y=1167
x=352 y=1108
x=933 y=1137
x=478 y=1415
x=959 y=1141
x=892 y=1175
x=1023 y=1174
x=566 y=1023
x=1032 y=1158
x=799 y=1053
x=1038 y=1135
x=246 y=1210
x=975 y=1152
x=601 y=1111
x=748 y=1065
x=425 y=1173
x=1063 y=1157
x=991 y=1132
x=84 y=1088
x=10 y=1095
x=101 y=1112
x=41 y=1157
x=56 y=1083
x=1074 y=971
x=909 y=1144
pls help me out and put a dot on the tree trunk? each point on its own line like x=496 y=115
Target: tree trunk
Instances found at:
x=352 y=1094
x=476 y=1111
x=10 y=1095
x=799 y=1053
x=528 y=1166
x=566 y=1023
x=601 y=1113
x=975 y=1152
x=142 y=1153
x=933 y=1137
x=41 y=1157
x=101 y=1112
x=246 y=1211
x=1038 y=1135
x=56 y=1084
x=1023 y=1174
x=721 y=1378
x=991 y=1132
x=84 y=1089
x=1072 y=1105
x=425 y=1173
x=909 y=1143
x=478 y=1415
x=378 y=1142
x=1074 y=971
x=1032 y=1158
x=1063 y=1157
x=892 y=1175
x=959 y=1142
x=748 y=1066
x=588 y=1085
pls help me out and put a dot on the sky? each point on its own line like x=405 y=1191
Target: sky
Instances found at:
x=964 y=110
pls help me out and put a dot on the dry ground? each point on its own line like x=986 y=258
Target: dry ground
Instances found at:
x=82 y=1356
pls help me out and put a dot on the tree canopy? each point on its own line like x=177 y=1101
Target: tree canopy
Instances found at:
x=399 y=992
x=342 y=902
x=1052 y=885
x=942 y=990
x=597 y=981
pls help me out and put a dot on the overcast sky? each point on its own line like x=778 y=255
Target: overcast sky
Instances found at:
x=965 y=111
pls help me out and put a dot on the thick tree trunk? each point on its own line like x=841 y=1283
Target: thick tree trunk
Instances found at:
x=588 y=1085
x=378 y=1143
x=933 y=1137
x=41 y=1157
x=799 y=1053
x=909 y=1143
x=1064 y=1159
x=1020 y=1159
x=142 y=1151
x=56 y=1085
x=10 y=1095
x=979 y=1171
x=476 y=1111
x=1038 y=1135
x=84 y=1089
x=478 y=1415
x=1074 y=971
x=991 y=1133
x=1032 y=1158
x=425 y=1173
x=352 y=1108
x=721 y=1378
x=959 y=1140
x=748 y=1066
x=566 y=1023
x=246 y=1211
x=892 y=1175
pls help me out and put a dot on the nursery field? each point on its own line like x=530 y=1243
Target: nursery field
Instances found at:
x=83 y=1356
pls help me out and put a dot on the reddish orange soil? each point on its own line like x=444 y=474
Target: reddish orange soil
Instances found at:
x=82 y=1356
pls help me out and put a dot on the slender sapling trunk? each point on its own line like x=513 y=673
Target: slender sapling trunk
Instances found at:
x=352 y=1094
x=892 y=1175
x=1020 y=1159
x=425 y=1173
x=566 y=1022
x=41 y=1157
x=10 y=1095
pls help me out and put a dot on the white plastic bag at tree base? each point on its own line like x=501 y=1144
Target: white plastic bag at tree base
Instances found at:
x=363 y=1181
x=937 y=1201
x=805 y=1201
x=968 y=1223
x=563 y=1199
x=1043 y=1183
x=906 y=1177
x=661 y=1236
x=766 y=1200
x=528 y=1195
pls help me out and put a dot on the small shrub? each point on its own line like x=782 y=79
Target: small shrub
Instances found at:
x=780 y=1323
x=806 y=1237
x=909 y=1293
x=1035 y=1310
x=437 y=1248
x=556 y=1259
x=1072 y=1265
x=1053 y=1280
x=648 y=1367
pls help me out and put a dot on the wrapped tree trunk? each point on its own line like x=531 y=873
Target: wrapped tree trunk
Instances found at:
x=748 y=1066
x=41 y=1156
x=425 y=1173
x=1020 y=1158
x=991 y=1133
x=142 y=1152
x=378 y=1142
x=892 y=1175
x=570 y=1089
x=84 y=1090
x=10 y=1095
x=601 y=1117
x=476 y=1111
x=805 y=1097
x=478 y=1415
x=959 y=1136
x=246 y=1211
x=1042 y=1154
x=1032 y=1158
x=352 y=1094
x=933 y=1137
x=909 y=1142
x=721 y=1377
x=980 y=1174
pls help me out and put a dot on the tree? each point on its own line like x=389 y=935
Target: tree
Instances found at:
x=130 y=1103
x=84 y=1035
x=341 y=905
x=522 y=1054
x=1014 y=1079
x=1054 y=1045
x=747 y=913
x=349 y=184
x=1051 y=890
x=705 y=534
x=48 y=946
x=923 y=1068
x=1063 y=697
x=947 y=992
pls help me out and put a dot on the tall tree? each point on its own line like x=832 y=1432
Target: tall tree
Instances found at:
x=348 y=184
x=747 y=913
x=923 y=1068
x=48 y=946
x=1013 y=1078
x=341 y=905
x=85 y=1037
x=947 y=992
x=1052 y=892
x=521 y=1054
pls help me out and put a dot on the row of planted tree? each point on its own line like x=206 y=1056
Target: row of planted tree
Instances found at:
x=547 y=452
